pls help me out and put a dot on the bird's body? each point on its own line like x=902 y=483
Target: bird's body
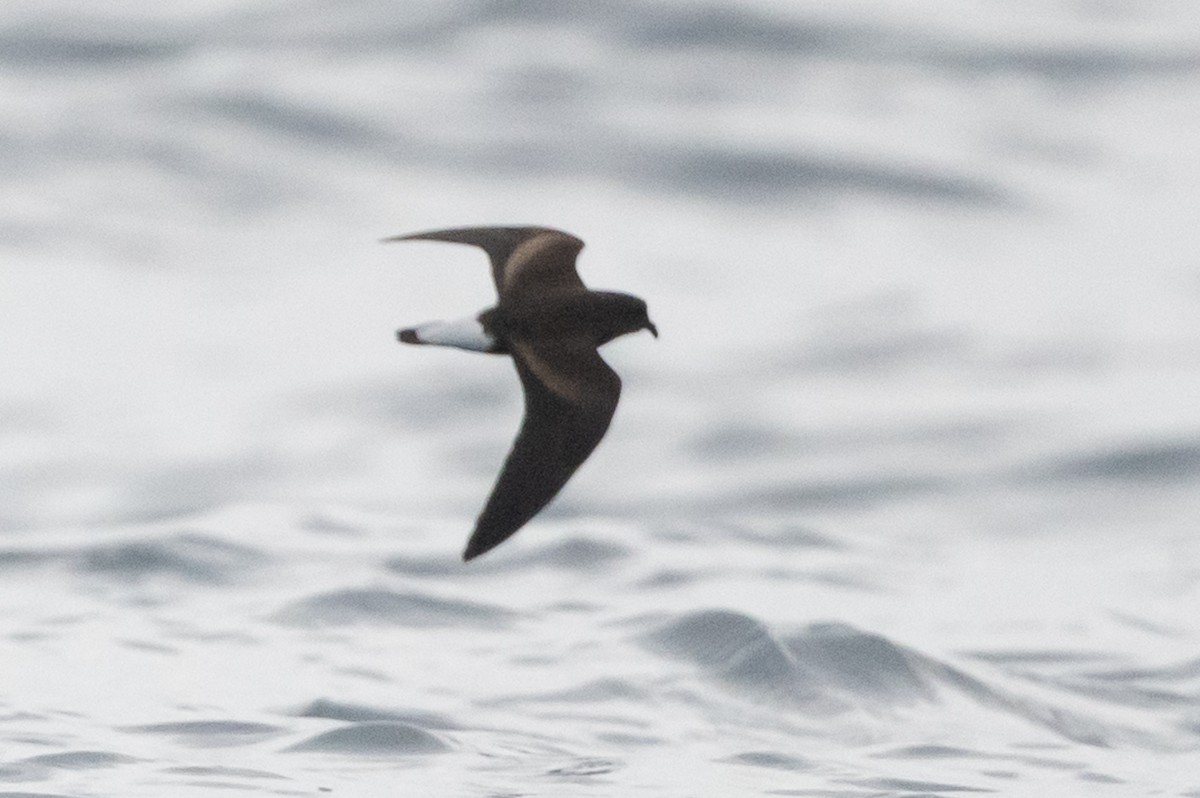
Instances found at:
x=551 y=324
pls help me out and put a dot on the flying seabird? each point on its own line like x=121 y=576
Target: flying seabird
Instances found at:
x=551 y=324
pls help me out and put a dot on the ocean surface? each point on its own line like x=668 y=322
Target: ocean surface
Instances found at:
x=904 y=501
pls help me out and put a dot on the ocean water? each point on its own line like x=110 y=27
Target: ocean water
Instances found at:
x=903 y=502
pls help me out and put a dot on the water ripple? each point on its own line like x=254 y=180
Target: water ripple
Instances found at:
x=211 y=733
x=380 y=606
x=374 y=738
x=1139 y=462
x=360 y=713
x=80 y=760
x=192 y=556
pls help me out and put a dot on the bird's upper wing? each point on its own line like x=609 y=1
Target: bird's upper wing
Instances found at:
x=570 y=397
x=524 y=259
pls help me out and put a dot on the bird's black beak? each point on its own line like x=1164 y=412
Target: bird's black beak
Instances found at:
x=650 y=326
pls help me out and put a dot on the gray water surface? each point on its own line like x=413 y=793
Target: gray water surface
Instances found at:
x=903 y=501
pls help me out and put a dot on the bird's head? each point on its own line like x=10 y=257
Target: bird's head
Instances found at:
x=625 y=314
x=641 y=317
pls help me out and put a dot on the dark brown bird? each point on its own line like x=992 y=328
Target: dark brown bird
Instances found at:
x=551 y=324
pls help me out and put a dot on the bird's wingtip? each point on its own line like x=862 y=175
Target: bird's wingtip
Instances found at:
x=481 y=544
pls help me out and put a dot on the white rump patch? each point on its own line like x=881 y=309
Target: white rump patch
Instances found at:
x=466 y=333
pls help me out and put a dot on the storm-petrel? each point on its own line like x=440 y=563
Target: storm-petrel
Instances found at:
x=551 y=324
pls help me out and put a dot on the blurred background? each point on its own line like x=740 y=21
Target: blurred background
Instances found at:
x=929 y=300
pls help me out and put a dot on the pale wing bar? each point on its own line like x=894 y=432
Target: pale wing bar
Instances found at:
x=542 y=255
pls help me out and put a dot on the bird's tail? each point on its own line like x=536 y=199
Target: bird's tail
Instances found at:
x=409 y=336
x=465 y=333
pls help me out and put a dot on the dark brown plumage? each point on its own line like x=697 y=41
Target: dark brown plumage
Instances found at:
x=551 y=324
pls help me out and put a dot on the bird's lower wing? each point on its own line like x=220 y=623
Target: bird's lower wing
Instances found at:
x=570 y=397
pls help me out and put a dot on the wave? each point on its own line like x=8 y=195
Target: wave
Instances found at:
x=830 y=669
